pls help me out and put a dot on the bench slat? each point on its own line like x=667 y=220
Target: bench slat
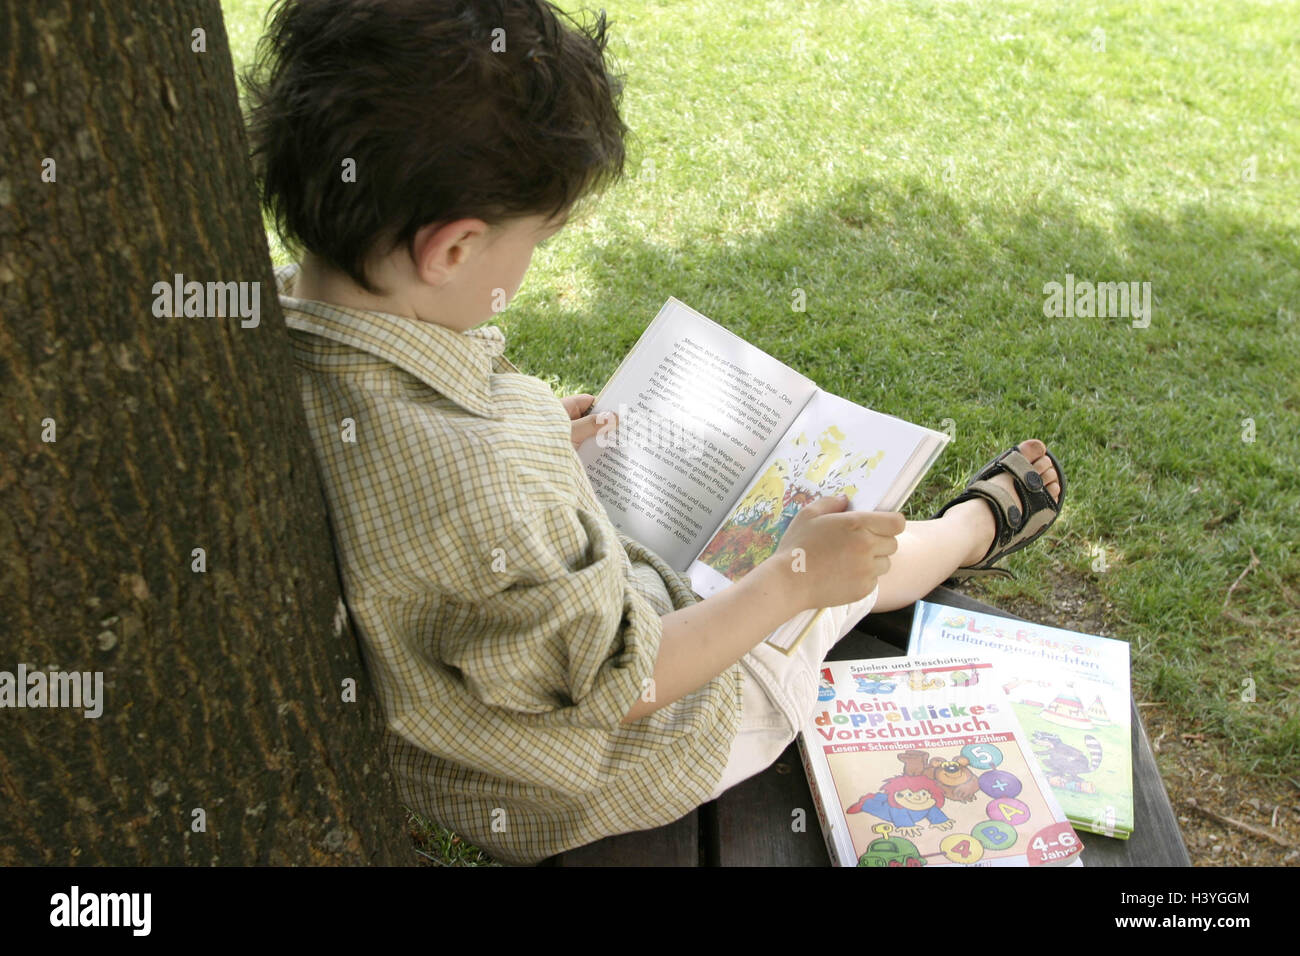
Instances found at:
x=752 y=824
x=677 y=844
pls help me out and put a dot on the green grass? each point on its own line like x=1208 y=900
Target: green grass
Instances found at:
x=921 y=170
x=438 y=846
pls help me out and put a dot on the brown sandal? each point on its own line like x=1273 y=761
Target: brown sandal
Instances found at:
x=1015 y=529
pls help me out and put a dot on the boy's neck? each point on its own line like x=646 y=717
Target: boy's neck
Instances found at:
x=320 y=283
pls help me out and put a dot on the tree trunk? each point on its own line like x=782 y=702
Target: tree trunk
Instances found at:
x=127 y=441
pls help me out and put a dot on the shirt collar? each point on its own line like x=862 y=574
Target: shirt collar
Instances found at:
x=458 y=365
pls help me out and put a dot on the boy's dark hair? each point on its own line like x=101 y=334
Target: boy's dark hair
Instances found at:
x=441 y=122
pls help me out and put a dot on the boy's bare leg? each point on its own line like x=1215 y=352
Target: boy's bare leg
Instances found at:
x=929 y=551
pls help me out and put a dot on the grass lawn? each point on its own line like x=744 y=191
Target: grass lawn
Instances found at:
x=921 y=171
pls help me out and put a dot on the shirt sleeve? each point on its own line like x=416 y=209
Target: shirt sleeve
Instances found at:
x=558 y=633
x=538 y=613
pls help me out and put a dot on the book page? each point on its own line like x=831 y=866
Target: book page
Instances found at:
x=699 y=409
x=834 y=446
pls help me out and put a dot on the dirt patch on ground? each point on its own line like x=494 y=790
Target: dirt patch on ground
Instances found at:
x=1076 y=604
x=1227 y=819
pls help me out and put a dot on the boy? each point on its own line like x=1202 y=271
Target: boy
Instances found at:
x=546 y=680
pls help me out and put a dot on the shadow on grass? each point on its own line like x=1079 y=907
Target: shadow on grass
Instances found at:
x=1177 y=439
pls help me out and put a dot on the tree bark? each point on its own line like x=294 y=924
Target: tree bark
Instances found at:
x=225 y=735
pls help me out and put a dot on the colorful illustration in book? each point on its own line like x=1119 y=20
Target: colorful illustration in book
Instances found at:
x=906 y=801
x=798 y=475
x=1097 y=713
x=919 y=792
x=965 y=678
x=959 y=808
x=1064 y=764
x=889 y=850
x=875 y=683
x=1011 y=685
x=953 y=775
x=1067 y=710
x=918 y=681
x=825 y=690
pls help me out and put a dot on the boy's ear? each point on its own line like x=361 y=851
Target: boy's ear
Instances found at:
x=439 y=248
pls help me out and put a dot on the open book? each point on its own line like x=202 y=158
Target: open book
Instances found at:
x=719 y=445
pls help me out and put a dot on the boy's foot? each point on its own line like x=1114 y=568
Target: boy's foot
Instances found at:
x=979 y=513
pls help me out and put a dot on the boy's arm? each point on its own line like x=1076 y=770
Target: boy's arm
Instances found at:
x=702 y=640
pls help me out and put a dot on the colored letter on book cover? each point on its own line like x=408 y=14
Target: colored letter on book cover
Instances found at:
x=1070 y=692
x=921 y=762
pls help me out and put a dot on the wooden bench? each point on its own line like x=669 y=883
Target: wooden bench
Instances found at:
x=750 y=824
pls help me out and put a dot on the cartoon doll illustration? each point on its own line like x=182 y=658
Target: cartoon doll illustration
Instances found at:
x=906 y=801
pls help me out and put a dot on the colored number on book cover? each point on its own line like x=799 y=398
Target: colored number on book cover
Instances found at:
x=1054 y=843
x=1008 y=811
x=960 y=848
x=982 y=756
x=1104 y=821
x=995 y=835
x=1000 y=783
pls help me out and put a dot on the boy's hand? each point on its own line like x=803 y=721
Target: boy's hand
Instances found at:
x=844 y=552
x=586 y=426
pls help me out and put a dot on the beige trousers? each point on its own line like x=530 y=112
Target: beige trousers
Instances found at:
x=780 y=691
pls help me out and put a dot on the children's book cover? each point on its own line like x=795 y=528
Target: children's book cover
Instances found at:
x=921 y=762
x=1071 y=693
